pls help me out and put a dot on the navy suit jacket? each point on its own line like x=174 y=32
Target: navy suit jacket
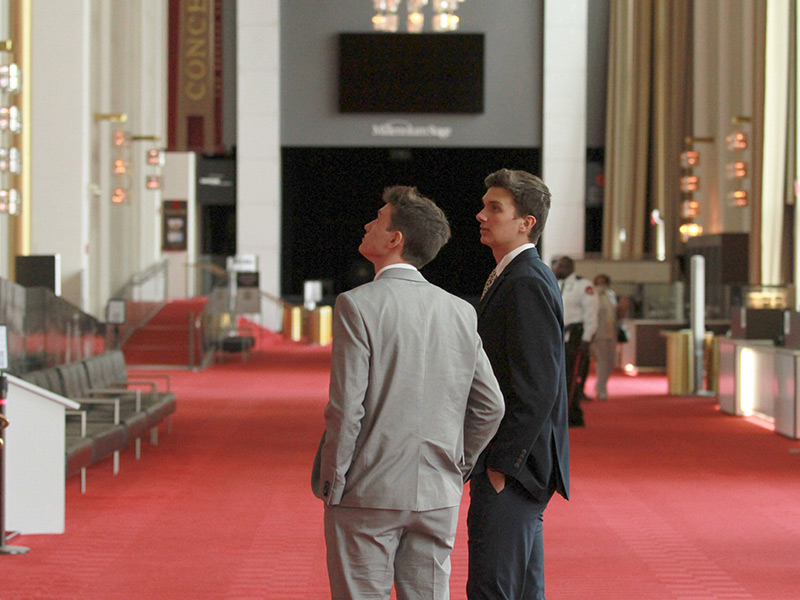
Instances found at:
x=521 y=322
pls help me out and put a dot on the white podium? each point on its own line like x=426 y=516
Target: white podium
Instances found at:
x=34 y=458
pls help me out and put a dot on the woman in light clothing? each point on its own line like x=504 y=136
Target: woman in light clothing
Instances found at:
x=604 y=343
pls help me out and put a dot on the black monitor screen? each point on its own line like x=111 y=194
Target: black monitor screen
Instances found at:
x=411 y=72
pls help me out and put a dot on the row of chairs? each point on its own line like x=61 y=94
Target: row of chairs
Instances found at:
x=116 y=408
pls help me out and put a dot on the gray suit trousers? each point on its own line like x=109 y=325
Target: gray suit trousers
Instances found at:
x=369 y=548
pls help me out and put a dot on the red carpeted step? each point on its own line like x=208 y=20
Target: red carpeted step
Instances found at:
x=165 y=339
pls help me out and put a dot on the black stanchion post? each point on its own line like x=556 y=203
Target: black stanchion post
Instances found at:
x=4 y=549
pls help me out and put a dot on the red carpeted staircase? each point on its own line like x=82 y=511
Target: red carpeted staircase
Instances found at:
x=165 y=339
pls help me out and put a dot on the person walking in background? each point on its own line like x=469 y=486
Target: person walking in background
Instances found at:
x=580 y=317
x=527 y=461
x=604 y=344
x=412 y=403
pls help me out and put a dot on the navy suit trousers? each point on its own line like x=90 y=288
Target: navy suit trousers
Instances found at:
x=506 y=551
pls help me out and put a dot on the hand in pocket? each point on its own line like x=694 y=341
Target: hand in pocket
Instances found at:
x=497 y=479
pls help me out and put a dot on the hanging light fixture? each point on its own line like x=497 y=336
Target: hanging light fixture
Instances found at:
x=444 y=15
x=416 y=20
x=385 y=18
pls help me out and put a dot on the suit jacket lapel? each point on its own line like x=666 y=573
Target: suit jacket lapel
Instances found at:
x=495 y=286
x=527 y=255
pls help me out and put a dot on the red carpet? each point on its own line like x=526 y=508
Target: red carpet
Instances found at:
x=671 y=500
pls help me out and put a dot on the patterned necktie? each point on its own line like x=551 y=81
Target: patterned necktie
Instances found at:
x=489 y=282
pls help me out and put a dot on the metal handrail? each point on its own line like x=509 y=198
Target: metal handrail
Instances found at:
x=138 y=280
x=136 y=292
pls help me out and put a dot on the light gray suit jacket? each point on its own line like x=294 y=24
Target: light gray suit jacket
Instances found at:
x=413 y=399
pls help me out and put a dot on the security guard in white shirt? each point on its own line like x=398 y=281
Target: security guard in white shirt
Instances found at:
x=580 y=324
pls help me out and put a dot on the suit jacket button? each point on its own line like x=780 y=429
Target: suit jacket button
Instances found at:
x=326 y=488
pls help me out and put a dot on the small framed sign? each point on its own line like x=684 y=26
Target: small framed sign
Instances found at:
x=115 y=311
x=174 y=225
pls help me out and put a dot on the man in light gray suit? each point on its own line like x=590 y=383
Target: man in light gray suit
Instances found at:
x=413 y=402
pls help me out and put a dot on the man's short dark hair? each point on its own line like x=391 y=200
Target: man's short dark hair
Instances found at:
x=531 y=196
x=423 y=224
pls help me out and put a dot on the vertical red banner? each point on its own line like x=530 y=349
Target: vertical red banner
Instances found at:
x=195 y=76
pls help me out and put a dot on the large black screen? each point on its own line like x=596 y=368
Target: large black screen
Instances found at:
x=411 y=72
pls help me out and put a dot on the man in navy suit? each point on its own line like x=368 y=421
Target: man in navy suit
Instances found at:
x=520 y=319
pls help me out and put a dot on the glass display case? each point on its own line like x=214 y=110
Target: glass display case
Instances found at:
x=651 y=300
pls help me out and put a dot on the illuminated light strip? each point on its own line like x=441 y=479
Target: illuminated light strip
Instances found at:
x=746 y=393
x=762 y=421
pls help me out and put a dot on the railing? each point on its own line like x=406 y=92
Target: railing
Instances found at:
x=44 y=330
x=144 y=294
x=220 y=318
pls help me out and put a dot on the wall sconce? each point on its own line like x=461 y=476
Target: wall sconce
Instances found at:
x=120 y=157
x=690 y=183
x=155 y=157
x=689 y=230
x=736 y=141
x=119 y=195
x=10 y=79
x=736 y=169
x=120 y=166
x=737 y=198
x=9 y=201
x=10 y=119
x=690 y=159
x=120 y=138
x=690 y=209
x=10 y=161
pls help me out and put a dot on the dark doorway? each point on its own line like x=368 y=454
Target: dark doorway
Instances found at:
x=330 y=193
x=218 y=230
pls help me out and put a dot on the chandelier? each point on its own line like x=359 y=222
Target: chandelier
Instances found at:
x=444 y=15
